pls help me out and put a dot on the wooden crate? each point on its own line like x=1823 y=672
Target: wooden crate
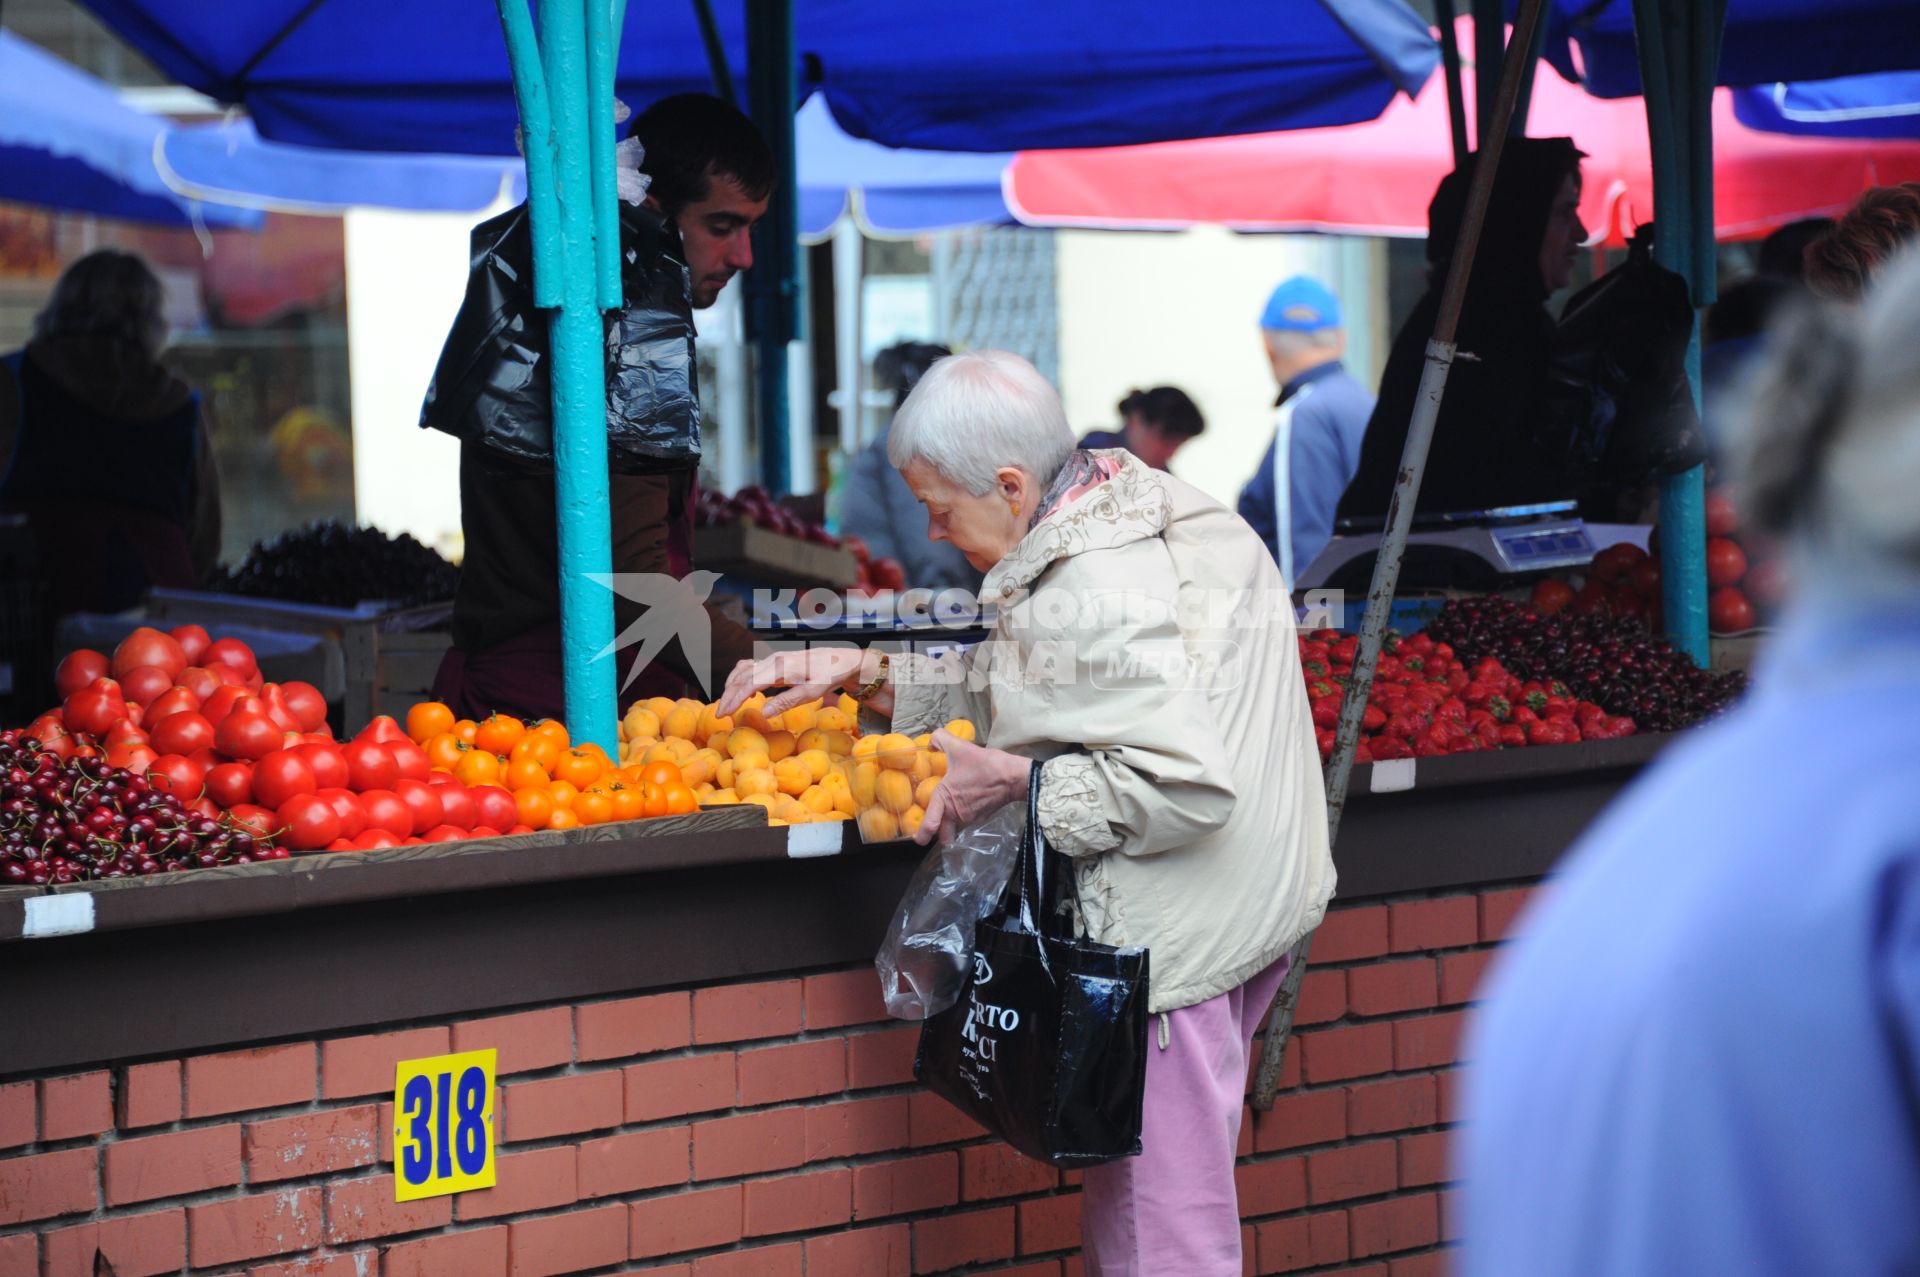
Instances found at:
x=388 y=672
x=752 y=553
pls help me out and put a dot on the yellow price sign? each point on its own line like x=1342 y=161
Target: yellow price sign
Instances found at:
x=443 y=1125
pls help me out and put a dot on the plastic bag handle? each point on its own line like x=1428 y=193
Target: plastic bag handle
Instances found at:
x=1030 y=874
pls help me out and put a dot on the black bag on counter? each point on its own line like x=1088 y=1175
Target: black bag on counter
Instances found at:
x=493 y=383
x=1047 y=1046
x=1621 y=411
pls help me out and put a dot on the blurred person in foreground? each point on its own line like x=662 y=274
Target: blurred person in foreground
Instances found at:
x=1840 y=263
x=1189 y=800
x=1320 y=420
x=1702 y=1055
x=877 y=506
x=1154 y=424
x=106 y=450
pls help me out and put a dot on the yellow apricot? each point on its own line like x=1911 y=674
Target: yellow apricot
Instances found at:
x=910 y=821
x=962 y=728
x=893 y=791
x=779 y=745
x=745 y=740
x=792 y=776
x=878 y=825
x=683 y=722
x=896 y=751
x=923 y=792
x=754 y=782
x=865 y=775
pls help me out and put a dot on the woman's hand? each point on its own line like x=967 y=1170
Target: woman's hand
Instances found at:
x=807 y=675
x=979 y=781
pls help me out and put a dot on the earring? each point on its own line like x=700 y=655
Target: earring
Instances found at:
x=1015 y=507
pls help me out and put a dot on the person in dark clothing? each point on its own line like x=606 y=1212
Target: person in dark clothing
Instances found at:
x=105 y=450
x=1154 y=424
x=1483 y=454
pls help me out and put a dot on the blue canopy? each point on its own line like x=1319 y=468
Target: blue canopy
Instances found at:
x=1766 y=41
x=961 y=75
x=892 y=192
x=1874 y=106
x=67 y=141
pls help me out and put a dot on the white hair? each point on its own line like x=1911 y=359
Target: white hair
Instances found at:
x=974 y=413
x=1288 y=341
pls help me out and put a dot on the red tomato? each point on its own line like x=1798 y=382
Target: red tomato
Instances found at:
x=175 y=700
x=437 y=778
x=145 y=684
x=217 y=706
x=1766 y=582
x=1614 y=562
x=230 y=784
x=174 y=774
x=444 y=833
x=94 y=708
x=135 y=758
x=148 y=646
x=1645 y=578
x=1551 y=596
x=484 y=831
x=307 y=704
x=422 y=799
x=233 y=654
x=520 y=829
x=1722 y=519
x=384 y=729
x=277 y=709
x=201 y=682
x=369 y=765
x=372 y=839
x=254 y=819
x=229 y=676
x=1627 y=601
x=282 y=775
x=126 y=732
x=310 y=821
x=330 y=770
x=1728 y=611
x=457 y=807
x=1592 y=598
x=410 y=759
x=246 y=732
x=207 y=759
x=52 y=734
x=77 y=670
x=346 y=805
x=204 y=806
x=494 y=806
x=1726 y=563
x=193 y=640
x=181 y=733
x=387 y=810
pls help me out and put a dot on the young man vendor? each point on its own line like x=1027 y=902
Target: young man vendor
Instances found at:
x=711 y=174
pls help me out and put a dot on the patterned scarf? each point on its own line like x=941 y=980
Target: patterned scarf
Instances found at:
x=1084 y=471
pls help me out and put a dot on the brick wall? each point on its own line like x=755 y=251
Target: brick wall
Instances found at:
x=765 y=1129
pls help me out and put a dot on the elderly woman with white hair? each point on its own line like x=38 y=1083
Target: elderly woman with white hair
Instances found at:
x=1144 y=653
x=1703 y=1054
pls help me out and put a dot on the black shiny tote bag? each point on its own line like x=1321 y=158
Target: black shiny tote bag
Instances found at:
x=1047 y=1044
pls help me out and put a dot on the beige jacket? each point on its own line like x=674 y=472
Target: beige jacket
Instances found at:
x=1145 y=651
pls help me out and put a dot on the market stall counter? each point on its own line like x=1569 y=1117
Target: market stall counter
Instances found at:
x=696 y=1074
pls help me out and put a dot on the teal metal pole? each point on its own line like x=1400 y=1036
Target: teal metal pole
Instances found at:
x=603 y=52
x=773 y=286
x=536 y=141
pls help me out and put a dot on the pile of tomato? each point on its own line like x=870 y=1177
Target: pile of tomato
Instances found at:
x=1426 y=702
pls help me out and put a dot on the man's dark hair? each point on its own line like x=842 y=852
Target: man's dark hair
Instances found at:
x=692 y=138
x=900 y=366
x=1783 y=253
x=1165 y=408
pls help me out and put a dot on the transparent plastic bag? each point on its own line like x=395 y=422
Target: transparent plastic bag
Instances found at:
x=923 y=960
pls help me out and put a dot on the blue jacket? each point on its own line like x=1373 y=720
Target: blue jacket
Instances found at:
x=1323 y=419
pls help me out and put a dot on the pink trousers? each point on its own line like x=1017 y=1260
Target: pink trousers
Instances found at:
x=1173 y=1211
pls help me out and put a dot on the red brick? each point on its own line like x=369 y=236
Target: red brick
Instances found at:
x=1428 y=1041
x=1498 y=910
x=886 y=1251
x=842 y=998
x=998 y=1170
x=797 y=1071
x=539 y=1179
x=1402 y=1223
x=637 y=1160
x=1333 y=1055
x=1347 y=935
x=19 y=1114
x=799 y=1203
x=312 y=1144
x=783 y=1260
x=1387 y=988
x=525 y=1042
x=362 y=1263
x=1460 y=975
x=77 y=1105
x=882 y=1059
x=1299 y=1119
x=567 y=1243
x=243 y=1228
x=1304 y=1241
x=1358 y=1270
x=775 y=1140
x=1243 y=1137
x=674 y=1088
x=633 y=1026
x=908 y=1184
x=353 y=1067
x=1323 y=997
x=1450 y=1086
x=1358 y=1170
x=1267 y=1188
x=1398 y=1105
x=742 y=1012
x=480 y=1252
x=1049 y=1223
x=131 y=1245
x=931 y=1120
x=360 y=1210
x=1452 y=923
x=1431 y=1264
x=19 y=1255
x=1423 y=1159
x=685 y=1221
x=857 y=1126
x=562 y=1106
x=970 y=1237
x=172 y=1165
x=150 y=1095
x=241 y=1081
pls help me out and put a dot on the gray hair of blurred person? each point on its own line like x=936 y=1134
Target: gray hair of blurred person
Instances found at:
x=1294 y=342
x=973 y=413
x=108 y=294
x=1826 y=447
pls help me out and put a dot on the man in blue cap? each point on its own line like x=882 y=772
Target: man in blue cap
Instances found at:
x=1321 y=420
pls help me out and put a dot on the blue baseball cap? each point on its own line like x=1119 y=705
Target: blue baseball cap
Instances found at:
x=1300 y=305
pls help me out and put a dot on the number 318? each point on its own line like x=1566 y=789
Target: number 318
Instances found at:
x=431 y=1105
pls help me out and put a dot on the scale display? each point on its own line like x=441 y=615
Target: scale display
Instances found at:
x=1535 y=548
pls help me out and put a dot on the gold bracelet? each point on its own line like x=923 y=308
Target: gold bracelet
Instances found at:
x=872 y=689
